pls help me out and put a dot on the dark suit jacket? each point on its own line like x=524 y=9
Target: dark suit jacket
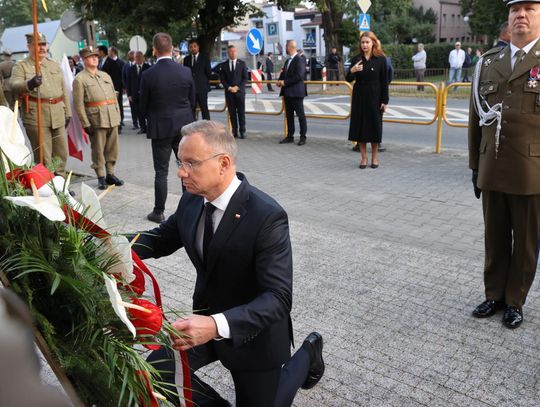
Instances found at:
x=237 y=78
x=133 y=81
x=201 y=72
x=294 y=78
x=248 y=276
x=114 y=69
x=167 y=98
x=125 y=70
x=269 y=66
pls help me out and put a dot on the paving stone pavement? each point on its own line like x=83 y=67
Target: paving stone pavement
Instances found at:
x=387 y=266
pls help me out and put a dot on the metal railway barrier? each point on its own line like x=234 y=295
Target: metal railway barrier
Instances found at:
x=439 y=116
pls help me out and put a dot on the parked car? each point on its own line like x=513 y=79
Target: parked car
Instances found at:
x=215 y=66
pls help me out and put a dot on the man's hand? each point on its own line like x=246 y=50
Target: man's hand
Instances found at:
x=280 y=83
x=477 y=191
x=130 y=98
x=35 y=82
x=198 y=330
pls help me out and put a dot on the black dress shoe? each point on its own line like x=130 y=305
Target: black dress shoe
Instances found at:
x=242 y=135
x=302 y=141
x=381 y=148
x=101 y=183
x=286 y=140
x=155 y=217
x=134 y=127
x=513 y=317
x=313 y=344
x=141 y=131
x=356 y=147
x=487 y=308
x=112 y=179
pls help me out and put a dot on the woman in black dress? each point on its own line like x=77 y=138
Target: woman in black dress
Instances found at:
x=370 y=96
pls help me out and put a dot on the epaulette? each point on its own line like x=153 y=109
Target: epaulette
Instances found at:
x=494 y=50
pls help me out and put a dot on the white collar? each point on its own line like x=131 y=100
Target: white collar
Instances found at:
x=233 y=60
x=222 y=201
x=526 y=48
x=164 y=57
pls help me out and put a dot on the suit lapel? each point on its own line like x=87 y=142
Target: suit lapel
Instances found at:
x=503 y=65
x=234 y=214
x=531 y=59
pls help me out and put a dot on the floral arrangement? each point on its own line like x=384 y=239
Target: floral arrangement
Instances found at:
x=85 y=287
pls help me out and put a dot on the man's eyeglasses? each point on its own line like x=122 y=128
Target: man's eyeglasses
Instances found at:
x=189 y=166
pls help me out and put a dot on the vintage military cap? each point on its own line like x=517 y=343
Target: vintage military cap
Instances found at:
x=41 y=38
x=510 y=2
x=87 y=52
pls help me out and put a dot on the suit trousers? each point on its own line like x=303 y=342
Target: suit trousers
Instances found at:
x=261 y=388
x=236 y=105
x=512 y=230
x=295 y=105
x=161 y=154
x=269 y=78
x=120 y=98
x=104 y=144
x=201 y=100
x=139 y=119
x=54 y=144
x=134 y=113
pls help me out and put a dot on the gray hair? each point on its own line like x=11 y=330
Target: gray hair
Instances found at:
x=215 y=135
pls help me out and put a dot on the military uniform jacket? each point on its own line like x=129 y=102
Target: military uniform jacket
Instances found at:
x=95 y=88
x=53 y=115
x=516 y=167
x=6 y=67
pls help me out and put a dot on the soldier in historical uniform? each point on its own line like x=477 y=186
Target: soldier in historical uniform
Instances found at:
x=504 y=155
x=95 y=101
x=3 y=101
x=6 y=68
x=55 y=107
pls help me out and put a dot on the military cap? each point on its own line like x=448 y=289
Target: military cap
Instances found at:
x=41 y=38
x=87 y=52
x=510 y=2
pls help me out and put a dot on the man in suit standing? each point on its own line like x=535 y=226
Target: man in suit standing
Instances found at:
x=111 y=64
x=234 y=76
x=269 y=68
x=504 y=155
x=167 y=99
x=237 y=237
x=133 y=83
x=199 y=64
x=291 y=82
x=125 y=70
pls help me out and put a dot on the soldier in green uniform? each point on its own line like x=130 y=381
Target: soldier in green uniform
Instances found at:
x=95 y=101
x=55 y=107
x=3 y=101
x=6 y=68
x=504 y=155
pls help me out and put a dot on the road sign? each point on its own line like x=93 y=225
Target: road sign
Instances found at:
x=137 y=43
x=183 y=47
x=364 y=22
x=364 y=5
x=309 y=42
x=103 y=42
x=254 y=41
x=272 y=32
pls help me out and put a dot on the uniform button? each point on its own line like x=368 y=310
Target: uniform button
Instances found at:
x=508 y=92
x=504 y=122
x=506 y=107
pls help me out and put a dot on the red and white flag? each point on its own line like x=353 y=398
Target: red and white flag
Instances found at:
x=76 y=136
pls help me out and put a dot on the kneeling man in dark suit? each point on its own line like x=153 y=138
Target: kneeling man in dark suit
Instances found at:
x=237 y=237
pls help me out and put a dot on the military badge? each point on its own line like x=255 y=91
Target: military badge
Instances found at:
x=534 y=77
x=487 y=62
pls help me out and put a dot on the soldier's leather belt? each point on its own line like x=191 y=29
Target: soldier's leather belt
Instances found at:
x=101 y=103
x=50 y=101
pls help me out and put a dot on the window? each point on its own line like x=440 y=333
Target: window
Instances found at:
x=258 y=23
x=288 y=25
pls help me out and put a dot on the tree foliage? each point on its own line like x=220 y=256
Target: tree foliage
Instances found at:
x=485 y=16
x=14 y=13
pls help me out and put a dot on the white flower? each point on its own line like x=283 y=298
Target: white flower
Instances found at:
x=12 y=139
x=120 y=246
x=92 y=206
x=47 y=206
x=117 y=303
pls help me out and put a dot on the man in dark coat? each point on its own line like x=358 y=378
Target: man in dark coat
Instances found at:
x=167 y=99
x=504 y=156
x=332 y=64
x=269 y=68
x=110 y=63
x=237 y=238
x=133 y=83
x=234 y=76
x=199 y=64
x=291 y=82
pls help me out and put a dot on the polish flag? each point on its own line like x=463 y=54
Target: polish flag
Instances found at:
x=76 y=136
